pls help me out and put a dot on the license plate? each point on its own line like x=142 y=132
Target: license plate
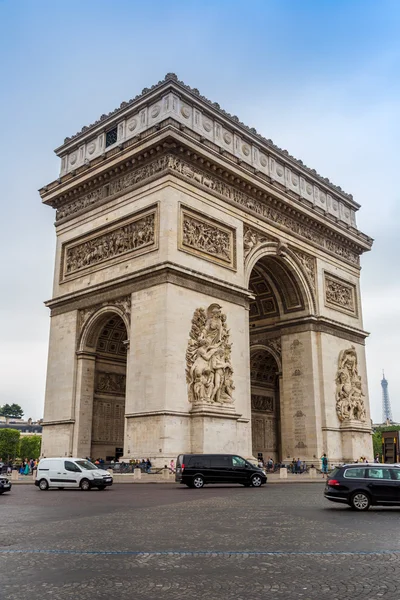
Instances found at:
x=108 y=479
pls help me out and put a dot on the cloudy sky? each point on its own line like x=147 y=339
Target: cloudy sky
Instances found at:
x=319 y=78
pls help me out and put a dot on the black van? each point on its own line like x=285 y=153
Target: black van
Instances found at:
x=194 y=470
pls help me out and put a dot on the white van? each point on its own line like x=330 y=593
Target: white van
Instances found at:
x=71 y=473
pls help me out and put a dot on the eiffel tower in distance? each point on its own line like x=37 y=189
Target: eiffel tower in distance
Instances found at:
x=387 y=416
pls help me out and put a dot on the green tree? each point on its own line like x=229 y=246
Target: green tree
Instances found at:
x=13 y=411
x=9 y=443
x=29 y=446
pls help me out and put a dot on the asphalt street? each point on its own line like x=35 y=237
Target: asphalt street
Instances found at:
x=161 y=541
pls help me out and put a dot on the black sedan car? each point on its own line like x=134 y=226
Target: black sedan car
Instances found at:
x=5 y=485
x=362 y=485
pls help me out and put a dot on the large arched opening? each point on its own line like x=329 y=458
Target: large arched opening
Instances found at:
x=103 y=351
x=283 y=297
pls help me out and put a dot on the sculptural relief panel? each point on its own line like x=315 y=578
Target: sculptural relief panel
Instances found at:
x=340 y=295
x=349 y=393
x=209 y=372
x=207 y=238
x=130 y=237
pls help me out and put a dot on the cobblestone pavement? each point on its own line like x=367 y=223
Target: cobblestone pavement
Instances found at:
x=164 y=541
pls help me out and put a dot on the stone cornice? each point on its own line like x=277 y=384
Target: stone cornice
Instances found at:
x=310 y=323
x=166 y=272
x=171 y=97
x=231 y=182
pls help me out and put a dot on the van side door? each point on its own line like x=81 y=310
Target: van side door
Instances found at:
x=71 y=474
x=221 y=468
x=240 y=471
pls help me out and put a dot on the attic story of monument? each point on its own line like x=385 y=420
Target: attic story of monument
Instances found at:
x=206 y=292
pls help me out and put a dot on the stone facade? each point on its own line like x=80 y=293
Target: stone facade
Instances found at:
x=206 y=292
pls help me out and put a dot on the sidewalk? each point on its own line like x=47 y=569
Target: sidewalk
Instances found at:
x=128 y=478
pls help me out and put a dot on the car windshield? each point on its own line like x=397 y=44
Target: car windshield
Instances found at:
x=85 y=464
x=334 y=472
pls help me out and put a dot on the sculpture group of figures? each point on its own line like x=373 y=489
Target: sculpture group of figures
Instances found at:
x=349 y=394
x=209 y=372
x=206 y=237
x=121 y=240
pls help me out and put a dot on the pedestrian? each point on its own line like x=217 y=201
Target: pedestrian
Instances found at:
x=148 y=465
x=377 y=458
x=172 y=466
x=298 y=466
x=324 y=460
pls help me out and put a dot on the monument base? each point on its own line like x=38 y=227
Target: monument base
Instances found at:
x=356 y=441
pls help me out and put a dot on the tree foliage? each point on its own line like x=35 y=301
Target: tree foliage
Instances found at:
x=29 y=446
x=11 y=411
x=9 y=443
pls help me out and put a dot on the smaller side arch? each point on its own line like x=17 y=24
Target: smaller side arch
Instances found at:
x=263 y=347
x=94 y=323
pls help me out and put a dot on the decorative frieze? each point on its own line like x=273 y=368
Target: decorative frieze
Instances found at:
x=264 y=403
x=132 y=236
x=261 y=208
x=340 y=295
x=207 y=238
x=349 y=395
x=110 y=383
x=117 y=185
x=209 y=372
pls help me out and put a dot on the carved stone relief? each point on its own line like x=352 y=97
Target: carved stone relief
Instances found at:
x=265 y=403
x=349 y=394
x=110 y=383
x=340 y=294
x=172 y=163
x=253 y=238
x=200 y=235
x=123 y=304
x=131 y=237
x=209 y=372
x=309 y=265
x=115 y=186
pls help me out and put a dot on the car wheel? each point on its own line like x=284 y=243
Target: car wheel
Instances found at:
x=43 y=485
x=256 y=481
x=360 y=501
x=198 y=482
x=2 y=492
x=101 y=487
x=85 y=485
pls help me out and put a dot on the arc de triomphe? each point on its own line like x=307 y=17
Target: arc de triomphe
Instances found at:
x=206 y=292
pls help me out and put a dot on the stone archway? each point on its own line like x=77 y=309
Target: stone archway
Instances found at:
x=283 y=301
x=265 y=404
x=109 y=391
x=101 y=383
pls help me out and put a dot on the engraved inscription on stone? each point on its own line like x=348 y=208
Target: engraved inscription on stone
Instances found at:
x=129 y=238
x=340 y=294
x=200 y=235
x=297 y=391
